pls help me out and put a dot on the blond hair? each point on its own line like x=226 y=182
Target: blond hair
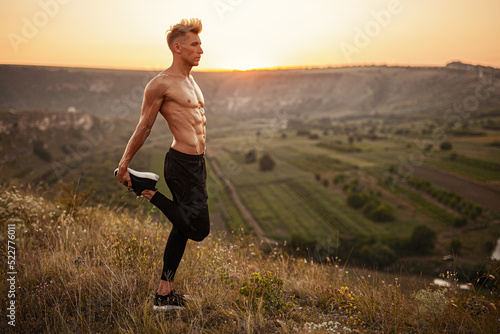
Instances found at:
x=180 y=29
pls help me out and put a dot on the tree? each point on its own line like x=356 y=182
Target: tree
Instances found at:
x=445 y=146
x=357 y=200
x=423 y=239
x=266 y=163
x=378 y=255
x=383 y=213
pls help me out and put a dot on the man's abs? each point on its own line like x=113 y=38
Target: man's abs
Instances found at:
x=188 y=129
x=193 y=147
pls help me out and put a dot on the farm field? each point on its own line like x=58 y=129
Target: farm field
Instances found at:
x=299 y=201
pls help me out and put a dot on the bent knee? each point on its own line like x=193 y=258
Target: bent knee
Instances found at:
x=201 y=236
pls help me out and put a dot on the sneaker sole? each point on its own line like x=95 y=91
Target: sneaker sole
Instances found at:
x=167 y=308
x=144 y=175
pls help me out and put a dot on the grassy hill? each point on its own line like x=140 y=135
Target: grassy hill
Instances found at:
x=92 y=269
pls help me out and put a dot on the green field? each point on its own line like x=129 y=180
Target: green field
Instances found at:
x=299 y=201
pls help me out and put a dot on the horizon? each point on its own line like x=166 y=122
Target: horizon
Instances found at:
x=278 y=68
x=243 y=35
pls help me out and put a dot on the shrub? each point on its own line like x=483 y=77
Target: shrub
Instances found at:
x=339 y=179
x=266 y=163
x=445 y=146
x=357 y=200
x=383 y=213
x=370 y=206
x=460 y=221
x=378 y=254
x=431 y=303
x=40 y=151
x=476 y=211
x=263 y=292
x=423 y=239
x=313 y=136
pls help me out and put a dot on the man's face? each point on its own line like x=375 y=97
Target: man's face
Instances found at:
x=191 y=50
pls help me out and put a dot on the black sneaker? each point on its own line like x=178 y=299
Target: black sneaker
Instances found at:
x=142 y=180
x=172 y=301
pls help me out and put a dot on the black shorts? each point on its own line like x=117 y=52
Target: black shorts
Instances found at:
x=186 y=176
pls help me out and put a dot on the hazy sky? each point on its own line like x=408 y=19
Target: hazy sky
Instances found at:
x=243 y=34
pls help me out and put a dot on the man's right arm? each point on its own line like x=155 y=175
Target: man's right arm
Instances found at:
x=152 y=101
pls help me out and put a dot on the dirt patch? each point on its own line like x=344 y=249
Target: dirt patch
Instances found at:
x=468 y=189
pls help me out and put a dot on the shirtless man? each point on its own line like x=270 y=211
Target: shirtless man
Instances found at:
x=176 y=96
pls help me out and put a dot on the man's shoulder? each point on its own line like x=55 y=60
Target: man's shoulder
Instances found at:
x=166 y=78
x=160 y=82
x=161 y=79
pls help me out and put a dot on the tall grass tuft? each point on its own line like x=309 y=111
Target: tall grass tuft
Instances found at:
x=95 y=270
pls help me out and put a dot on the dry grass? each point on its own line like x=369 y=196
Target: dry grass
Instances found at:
x=93 y=270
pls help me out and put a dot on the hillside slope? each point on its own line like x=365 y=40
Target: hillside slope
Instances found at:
x=92 y=269
x=341 y=92
x=334 y=92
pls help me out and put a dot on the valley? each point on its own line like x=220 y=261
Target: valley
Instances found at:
x=348 y=146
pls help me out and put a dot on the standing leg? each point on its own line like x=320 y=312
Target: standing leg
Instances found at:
x=174 y=250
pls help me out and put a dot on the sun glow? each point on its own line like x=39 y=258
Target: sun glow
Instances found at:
x=245 y=63
x=244 y=35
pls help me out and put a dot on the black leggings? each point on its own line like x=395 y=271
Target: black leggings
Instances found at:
x=186 y=176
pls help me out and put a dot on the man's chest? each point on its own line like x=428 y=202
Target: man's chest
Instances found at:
x=186 y=94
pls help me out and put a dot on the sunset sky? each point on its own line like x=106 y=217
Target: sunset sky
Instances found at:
x=246 y=34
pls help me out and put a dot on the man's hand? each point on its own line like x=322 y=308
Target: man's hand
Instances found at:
x=124 y=176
